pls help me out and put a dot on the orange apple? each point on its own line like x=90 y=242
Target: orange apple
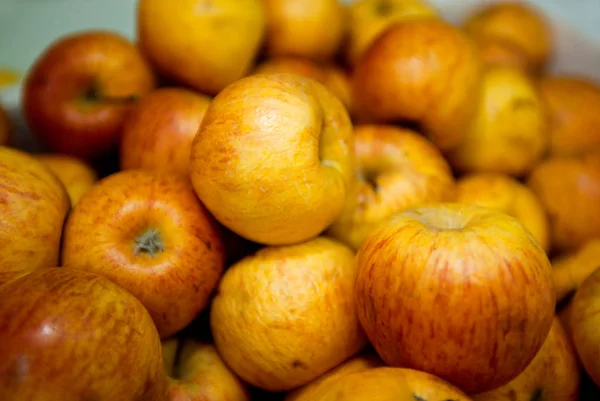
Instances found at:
x=506 y=194
x=274 y=158
x=147 y=231
x=75 y=174
x=572 y=103
x=33 y=206
x=5 y=127
x=285 y=315
x=553 y=375
x=304 y=28
x=571 y=269
x=423 y=71
x=79 y=91
x=508 y=133
x=569 y=188
x=159 y=131
x=202 y=44
x=72 y=335
x=481 y=265
x=498 y=51
x=397 y=169
x=522 y=24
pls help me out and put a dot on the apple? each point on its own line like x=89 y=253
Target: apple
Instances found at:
x=338 y=81
x=552 y=375
x=147 y=231
x=204 y=45
x=72 y=335
x=369 y=18
x=33 y=206
x=8 y=77
x=75 y=174
x=572 y=268
x=397 y=169
x=517 y=22
x=499 y=51
x=422 y=71
x=571 y=102
x=274 y=158
x=285 y=315
x=158 y=133
x=569 y=188
x=481 y=265
x=505 y=194
x=79 y=91
x=313 y=29
x=508 y=133
x=5 y=127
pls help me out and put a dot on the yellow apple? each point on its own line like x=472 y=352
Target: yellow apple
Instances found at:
x=76 y=175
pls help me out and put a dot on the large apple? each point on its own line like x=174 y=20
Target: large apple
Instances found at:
x=80 y=89
x=202 y=44
x=480 y=265
x=75 y=174
x=397 y=169
x=423 y=71
x=572 y=268
x=72 y=335
x=33 y=206
x=274 y=158
x=147 y=231
x=159 y=131
x=285 y=315
x=5 y=127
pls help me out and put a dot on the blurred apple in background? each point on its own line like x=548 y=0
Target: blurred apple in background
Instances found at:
x=501 y=52
x=33 y=206
x=422 y=71
x=75 y=174
x=79 y=91
x=397 y=169
x=205 y=45
x=571 y=269
x=159 y=131
x=5 y=127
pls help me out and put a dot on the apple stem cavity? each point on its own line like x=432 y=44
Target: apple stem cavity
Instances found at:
x=93 y=95
x=149 y=243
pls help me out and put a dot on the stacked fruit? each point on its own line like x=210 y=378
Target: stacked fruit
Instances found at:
x=312 y=202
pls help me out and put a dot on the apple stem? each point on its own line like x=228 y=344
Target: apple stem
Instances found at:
x=93 y=96
x=149 y=243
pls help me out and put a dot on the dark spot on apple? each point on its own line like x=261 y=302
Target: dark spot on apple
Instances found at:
x=417 y=398
x=512 y=395
x=384 y=7
x=522 y=103
x=298 y=364
x=208 y=244
x=537 y=395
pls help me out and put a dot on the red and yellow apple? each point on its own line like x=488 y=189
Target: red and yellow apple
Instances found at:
x=572 y=268
x=498 y=51
x=75 y=174
x=5 y=127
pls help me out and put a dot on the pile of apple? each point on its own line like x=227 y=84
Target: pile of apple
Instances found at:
x=314 y=202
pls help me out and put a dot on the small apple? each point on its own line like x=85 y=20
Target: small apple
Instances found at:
x=572 y=268
x=497 y=51
x=5 y=127
x=79 y=91
x=75 y=174
x=274 y=158
x=73 y=335
x=397 y=169
x=147 y=231
x=205 y=45
x=285 y=315
x=158 y=133
x=423 y=71
x=33 y=206
x=481 y=265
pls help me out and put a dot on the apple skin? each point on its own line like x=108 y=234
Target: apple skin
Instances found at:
x=72 y=335
x=553 y=375
x=147 y=231
x=203 y=45
x=158 y=133
x=497 y=51
x=5 y=127
x=397 y=169
x=75 y=174
x=572 y=268
x=425 y=71
x=285 y=315
x=33 y=205
x=482 y=265
x=79 y=91
x=274 y=158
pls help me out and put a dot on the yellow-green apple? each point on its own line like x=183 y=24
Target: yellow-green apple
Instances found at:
x=397 y=169
x=571 y=102
x=33 y=206
x=553 y=375
x=5 y=127
x=569 y=188
x=508 y=133
x=75 y=174
x=506 y=194
x=79 y=91
x=522 y=24
x=369 y=18
x=274 y=158
x=158 y=133
x=73 y=335
x=205 y=45
x=147 y=231
x=572 y=268
x=483 y=266
x=305 y=28
x=498 y=51
x=285 y=315
x=423 y=71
